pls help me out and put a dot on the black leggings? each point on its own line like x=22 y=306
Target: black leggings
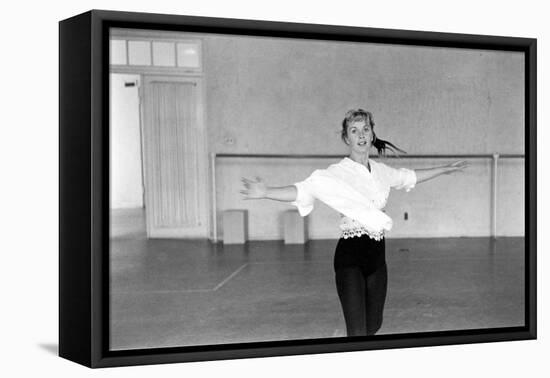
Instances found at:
x=361 y=281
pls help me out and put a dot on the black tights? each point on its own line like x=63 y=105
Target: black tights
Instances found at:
x=362 y=297
x=361 y=281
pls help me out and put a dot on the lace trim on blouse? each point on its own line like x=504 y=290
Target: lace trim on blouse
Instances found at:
x=352 y=229
x=360 y=231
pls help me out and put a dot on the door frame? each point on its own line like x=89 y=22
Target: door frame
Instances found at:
x=199 y=80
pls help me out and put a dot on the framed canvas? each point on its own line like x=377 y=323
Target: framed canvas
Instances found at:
x=191 y=227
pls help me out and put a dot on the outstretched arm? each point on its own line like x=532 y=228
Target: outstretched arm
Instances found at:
x=425 y=174
x=256 y=189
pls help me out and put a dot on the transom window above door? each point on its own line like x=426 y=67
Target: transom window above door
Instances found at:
x=179 y=54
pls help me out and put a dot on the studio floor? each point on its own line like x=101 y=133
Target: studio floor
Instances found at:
x=167 y=293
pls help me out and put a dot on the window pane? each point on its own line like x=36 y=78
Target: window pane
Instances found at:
x=188 y=55
x=139 y=53
x=164 y=54
x=118 y=51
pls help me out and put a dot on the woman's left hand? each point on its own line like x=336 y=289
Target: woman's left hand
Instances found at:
x=456 y=166
x=425 y=174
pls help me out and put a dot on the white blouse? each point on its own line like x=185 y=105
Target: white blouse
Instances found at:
x=357 y=194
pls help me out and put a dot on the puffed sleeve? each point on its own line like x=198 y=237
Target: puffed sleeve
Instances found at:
x=304 y=196
x=401 y=178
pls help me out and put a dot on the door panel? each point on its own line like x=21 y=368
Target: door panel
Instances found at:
x=175 y=156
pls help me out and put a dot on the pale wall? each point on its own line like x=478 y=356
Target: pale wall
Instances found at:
x=266 y=95
x=289 y=96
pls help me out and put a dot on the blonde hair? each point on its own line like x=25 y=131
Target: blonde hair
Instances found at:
x=354 y=115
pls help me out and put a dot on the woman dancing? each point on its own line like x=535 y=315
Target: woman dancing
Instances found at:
x=358 y=188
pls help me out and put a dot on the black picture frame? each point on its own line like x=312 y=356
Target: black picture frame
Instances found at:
x=84 y=194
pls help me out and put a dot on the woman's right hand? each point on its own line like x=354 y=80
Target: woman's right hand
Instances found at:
x=254 y=189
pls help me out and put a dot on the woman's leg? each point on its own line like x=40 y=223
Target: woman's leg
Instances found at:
x=376 y=288
x=350 y=284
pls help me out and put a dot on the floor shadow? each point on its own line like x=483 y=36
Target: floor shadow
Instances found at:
x=51 y=348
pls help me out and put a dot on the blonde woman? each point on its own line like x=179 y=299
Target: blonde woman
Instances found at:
x=358 y=188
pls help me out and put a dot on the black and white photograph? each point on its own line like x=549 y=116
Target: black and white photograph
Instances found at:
x=272 y=189
x=277 y=189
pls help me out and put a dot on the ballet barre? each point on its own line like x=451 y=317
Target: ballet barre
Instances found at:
x=495 y=158
x=401 y=156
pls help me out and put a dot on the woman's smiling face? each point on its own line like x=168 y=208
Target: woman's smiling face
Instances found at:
x=359 y=136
